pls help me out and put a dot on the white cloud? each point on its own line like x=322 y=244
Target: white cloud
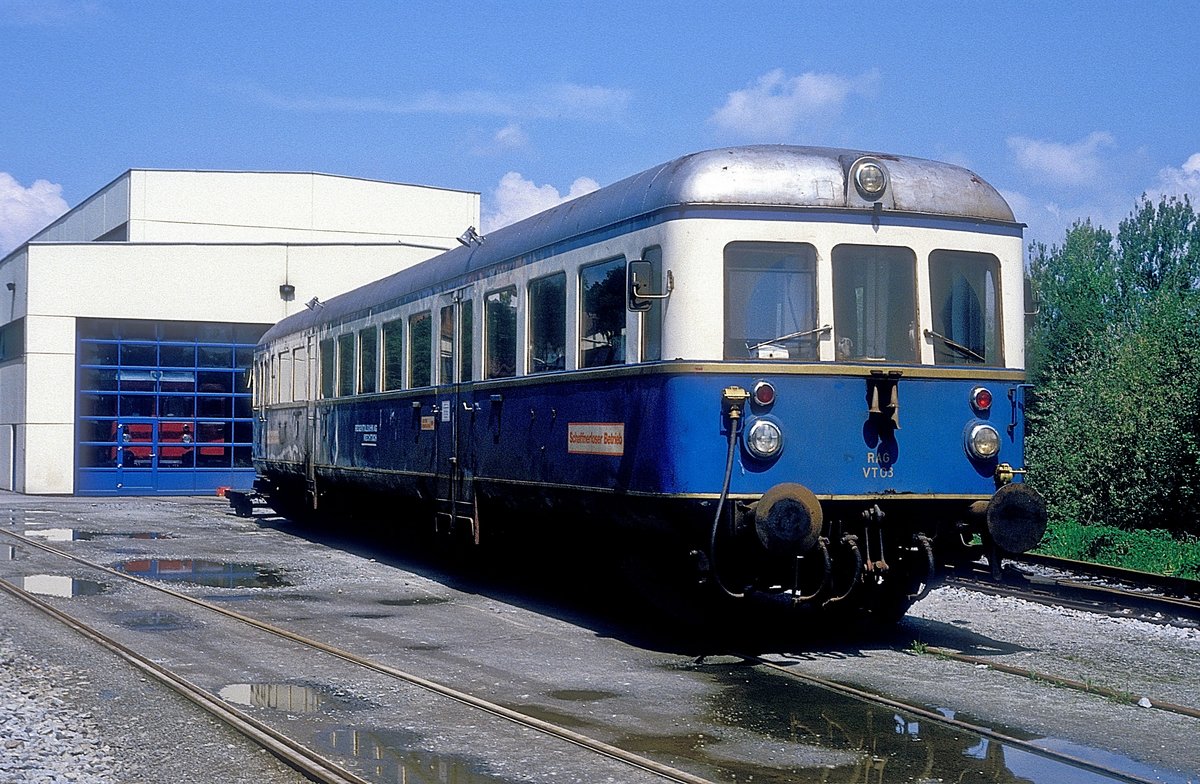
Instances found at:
x=516 y=198
x=776 y=104
x=511 y=137
x=553 y=101
x=1182 y=181
x=24 y=211
x=1077 y=163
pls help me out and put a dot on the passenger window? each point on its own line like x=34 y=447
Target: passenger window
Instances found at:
x=299 y=374
x=500 y=333
x=466 y=329
x=874 y=300
x=548 y=323
x=446 y=346
x=346 y=364
x=771 y=301
x=285 y=377
x=420 y=350
x=966 y=307
x=393 y=355
x=328 y=368
x=368 y=360
x=652 y=318
x=602 y=314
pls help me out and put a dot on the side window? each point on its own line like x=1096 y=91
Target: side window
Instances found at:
x=328 y=368
x=368 y=360
x=874 y=302
x=346 y=364
x=548 y=323
x=420 y=350
x=602 y=314
x=500 y=333
x=652 y=319
x=446 y=346
x=771 y=301
x=285 y=377
x=966 y=307
x=300 y=373
x=466 y=343
x=393 y=355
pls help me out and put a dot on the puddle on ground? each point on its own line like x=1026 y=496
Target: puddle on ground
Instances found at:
x=416 y=601
x=582 y=695
x=395 y=757
x=550 y=715
x=153 y=621
x=788 y=731
x=76 y=535
x=62 y=587
x=211 y=574
x=288 y=697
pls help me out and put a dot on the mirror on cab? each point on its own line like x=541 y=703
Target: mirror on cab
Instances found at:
x=641 y=279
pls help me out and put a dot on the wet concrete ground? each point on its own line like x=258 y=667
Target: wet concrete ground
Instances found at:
x=563 y=650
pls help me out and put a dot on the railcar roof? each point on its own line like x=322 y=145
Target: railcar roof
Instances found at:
x=753 y=176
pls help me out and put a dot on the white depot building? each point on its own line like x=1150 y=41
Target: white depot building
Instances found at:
x=127 y=324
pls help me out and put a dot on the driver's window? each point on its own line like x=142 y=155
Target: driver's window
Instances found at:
x=771 y=301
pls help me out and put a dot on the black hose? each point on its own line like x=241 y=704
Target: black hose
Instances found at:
x=734 y=419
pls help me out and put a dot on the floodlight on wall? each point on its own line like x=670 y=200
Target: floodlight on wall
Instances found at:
x=469 y=236
x=314 y=303
x=287 y=292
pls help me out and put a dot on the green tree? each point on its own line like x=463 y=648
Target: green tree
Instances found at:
x=1115 y=359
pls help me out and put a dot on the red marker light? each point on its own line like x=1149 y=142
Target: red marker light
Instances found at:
x=764 y=393
x=981 y=399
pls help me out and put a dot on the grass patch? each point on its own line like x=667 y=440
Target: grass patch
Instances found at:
x=1147 y=551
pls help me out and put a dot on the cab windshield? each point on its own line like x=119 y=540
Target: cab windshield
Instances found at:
x=771 y=301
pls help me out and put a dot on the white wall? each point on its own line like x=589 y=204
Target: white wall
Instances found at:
x=99 y=214
x=207 y=206
x=180 y=206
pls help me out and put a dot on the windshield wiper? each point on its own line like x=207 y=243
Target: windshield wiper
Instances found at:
x=801 y=334
x=959 y=347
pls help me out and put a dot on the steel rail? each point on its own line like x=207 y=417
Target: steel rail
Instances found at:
x=928 y=715
x=583 y=741
x=1074 y=593
x=291 y=752
x=1168 y=584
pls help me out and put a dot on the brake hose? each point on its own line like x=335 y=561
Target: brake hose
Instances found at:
x=734 y=418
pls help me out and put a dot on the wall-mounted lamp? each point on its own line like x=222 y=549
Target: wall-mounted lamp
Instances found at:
x=314 y=303
x=287 y=292
x=469 y=236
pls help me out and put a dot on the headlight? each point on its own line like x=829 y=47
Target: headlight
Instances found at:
x=870 y=178
x=983 y=442
x=764 y=439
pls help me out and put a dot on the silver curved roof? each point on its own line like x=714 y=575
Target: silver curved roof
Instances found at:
x=771 y=176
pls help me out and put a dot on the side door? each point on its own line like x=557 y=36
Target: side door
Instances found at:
x=455 y=415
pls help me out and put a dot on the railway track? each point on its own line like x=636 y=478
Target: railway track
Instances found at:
x=1090 y=587
x=323 y=769
x=318 y=767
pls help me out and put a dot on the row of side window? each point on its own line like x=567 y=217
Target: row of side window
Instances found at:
x=372 y=359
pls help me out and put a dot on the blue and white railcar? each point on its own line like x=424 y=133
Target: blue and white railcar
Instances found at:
x=797 y=369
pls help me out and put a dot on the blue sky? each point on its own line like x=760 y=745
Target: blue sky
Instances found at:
x=1072 y=110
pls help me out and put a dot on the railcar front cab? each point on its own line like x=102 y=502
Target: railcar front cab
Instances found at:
x=885 y=314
